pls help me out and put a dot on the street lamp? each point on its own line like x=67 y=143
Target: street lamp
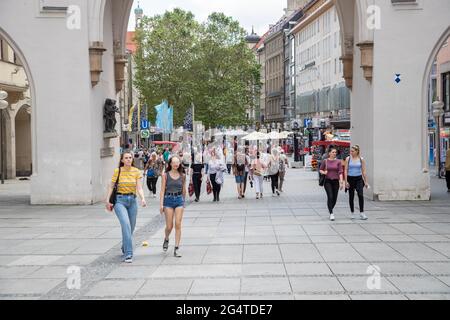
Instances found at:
x=3 y=105
x=438 y=111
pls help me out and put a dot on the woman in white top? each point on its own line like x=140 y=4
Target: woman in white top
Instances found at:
x=257 y=173
x=274 y=170
x=215 y=169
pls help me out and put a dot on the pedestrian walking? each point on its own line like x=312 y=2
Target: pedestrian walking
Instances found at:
x=447 y=169
x=356 y=179
x=153 y=169
x=129 y=183
x=173 y=195
x=274 y=170
x=239 y=172
x=229 y=156
x=283 y=165
x=334 y=179
x=197 y=172
x=257 y=174
x=247 y=171
x=215 y=172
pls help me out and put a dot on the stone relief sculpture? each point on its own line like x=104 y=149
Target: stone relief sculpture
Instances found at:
x=109 y=115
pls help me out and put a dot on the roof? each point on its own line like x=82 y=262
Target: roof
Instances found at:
x=261 y=41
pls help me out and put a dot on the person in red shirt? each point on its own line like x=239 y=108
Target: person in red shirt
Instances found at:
x=334 y=179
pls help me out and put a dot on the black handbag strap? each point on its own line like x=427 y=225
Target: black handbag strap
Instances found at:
x=117 y=180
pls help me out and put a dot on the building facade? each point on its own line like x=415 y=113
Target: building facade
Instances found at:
x=15 y=121
x=72 y=155
x=321 y=93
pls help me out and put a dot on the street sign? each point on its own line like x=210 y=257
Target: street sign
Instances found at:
x=145 y=134
x=144 y=124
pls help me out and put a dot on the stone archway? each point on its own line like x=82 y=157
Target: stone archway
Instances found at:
x=23 y=154
x=17 y=81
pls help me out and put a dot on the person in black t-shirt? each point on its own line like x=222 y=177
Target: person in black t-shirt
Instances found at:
x=197 y=176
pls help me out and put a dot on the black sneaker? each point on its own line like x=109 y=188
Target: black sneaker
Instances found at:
x=176 y=252
x=165 y=245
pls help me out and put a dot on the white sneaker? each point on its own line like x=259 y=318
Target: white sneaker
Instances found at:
x=363 y=216
x=353 y=216
x=332 y=218
x=128 y=260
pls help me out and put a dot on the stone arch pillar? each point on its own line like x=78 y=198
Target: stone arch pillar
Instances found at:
x=22 y=141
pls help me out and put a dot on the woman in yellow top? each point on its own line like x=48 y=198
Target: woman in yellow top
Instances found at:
x=129 y=184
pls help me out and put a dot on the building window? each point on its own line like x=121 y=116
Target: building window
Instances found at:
x=1 y=49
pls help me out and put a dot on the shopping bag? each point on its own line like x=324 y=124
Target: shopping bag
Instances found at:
x=208 y=187
x=191 y=189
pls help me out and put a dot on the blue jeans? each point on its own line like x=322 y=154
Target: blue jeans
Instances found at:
x=126 y=212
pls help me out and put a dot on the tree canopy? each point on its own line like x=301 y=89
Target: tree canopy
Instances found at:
x=207 y=64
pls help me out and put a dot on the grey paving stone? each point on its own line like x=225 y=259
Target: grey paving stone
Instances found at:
x=350 y=230
x=96 y=246
x=224 y=286
x=160 y=287
x=430 y=238
x=267 y=297
x=27 y=286
x=400 y=269
x=321 y=297
x=356 y=239
x=51 y=272
x=365 y=284
x=378 y=252
x=76 y=260
x=113 y=288
x=411 y=228
x=417 y=252
x=378 y=297
x=198 y=271
x=35 y=260
x=428 y=296
x=308 y=285
x=132 y=272
x=327 y=239
x=395 y=238
x=439 y=228
x=319 y=230
x=308 y=269
x=382 y=229
x=260 y=269
x=261 y=253
x=349 y=268
x=293 y=239
x=339 y=252
x=300 y=253
x=419 y=285
x=276 y=285
x=443 y=248
x=446 y=280
x=436 y=267
x=223 y=254
x=16 y=272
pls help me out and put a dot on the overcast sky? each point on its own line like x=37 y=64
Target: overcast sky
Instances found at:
x=257 y=13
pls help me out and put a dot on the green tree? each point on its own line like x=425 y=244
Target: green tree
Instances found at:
x=209 y=65
x=164 y=60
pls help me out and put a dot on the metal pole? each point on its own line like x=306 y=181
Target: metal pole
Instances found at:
x=3 y=147
x=438 y=138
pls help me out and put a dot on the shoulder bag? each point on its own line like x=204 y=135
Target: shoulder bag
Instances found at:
x=113 y=197
x=322 y=176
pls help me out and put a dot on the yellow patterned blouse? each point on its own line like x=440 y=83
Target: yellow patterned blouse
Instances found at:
x=127 y=180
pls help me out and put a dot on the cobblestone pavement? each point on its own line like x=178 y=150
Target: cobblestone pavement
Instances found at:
x=276 y=248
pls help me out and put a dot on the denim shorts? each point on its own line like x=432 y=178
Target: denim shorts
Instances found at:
x=173 y=202
x=239 y=179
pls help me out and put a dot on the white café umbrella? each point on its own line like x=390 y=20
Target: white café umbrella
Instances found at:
x=274 y=135
x=285 y=134
x=255 y=136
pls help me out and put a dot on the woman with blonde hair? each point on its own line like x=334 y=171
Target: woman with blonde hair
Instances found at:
x=274 y=170
x=129 y=183
x=356 y=179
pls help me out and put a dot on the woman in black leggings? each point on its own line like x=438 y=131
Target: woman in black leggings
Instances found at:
x=215 y=165
x=334 y=179
x=356 y=179
x=197 y=175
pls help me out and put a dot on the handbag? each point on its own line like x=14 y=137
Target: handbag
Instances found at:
x=208 y=187
x=150 y=172
x=191 y=189
x=113 y=197
x=322 y=176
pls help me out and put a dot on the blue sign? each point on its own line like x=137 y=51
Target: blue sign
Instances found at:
x=145 y=124
x=398 y=78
